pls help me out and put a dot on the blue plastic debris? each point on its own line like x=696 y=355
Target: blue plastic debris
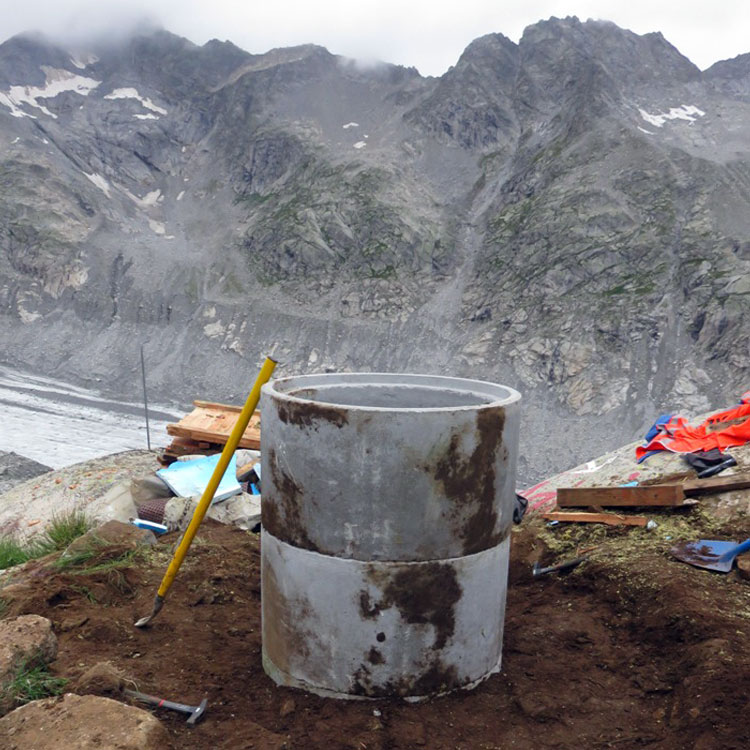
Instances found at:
x=157 y=528
x=190 y=478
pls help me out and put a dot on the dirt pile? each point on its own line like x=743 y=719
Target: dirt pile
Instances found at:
x=631 y=649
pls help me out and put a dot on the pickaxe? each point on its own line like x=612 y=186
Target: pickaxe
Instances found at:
x=195 y=712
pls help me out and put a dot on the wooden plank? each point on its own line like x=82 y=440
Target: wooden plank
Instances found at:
x=649 y=495
x=215 y=420
x=248 y=440
x=611 y=519
x=217 y=406
x=714 y=485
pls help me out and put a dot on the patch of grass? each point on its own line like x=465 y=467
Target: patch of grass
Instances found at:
x=125 y=560
x=12 y=552
x=64 y=529
x=30 y=683
x=87 y=592
x=60 y=532
x=76 y=559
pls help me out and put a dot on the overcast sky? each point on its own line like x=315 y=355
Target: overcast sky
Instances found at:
x=428 y=34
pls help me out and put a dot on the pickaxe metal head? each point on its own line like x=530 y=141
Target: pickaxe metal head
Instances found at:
x=197 y=714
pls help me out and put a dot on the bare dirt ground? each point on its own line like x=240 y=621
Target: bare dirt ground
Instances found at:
x=629 y=650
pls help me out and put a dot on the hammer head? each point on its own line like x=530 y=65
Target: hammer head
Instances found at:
x=197 y=715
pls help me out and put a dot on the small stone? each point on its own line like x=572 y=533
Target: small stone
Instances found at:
x=743 y=567
x=287 y=707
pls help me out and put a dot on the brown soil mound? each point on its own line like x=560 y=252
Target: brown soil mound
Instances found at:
x=629 y=650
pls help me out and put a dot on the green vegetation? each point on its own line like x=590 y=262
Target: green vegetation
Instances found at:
x=12 y=553
x=31 y=682
x=64 y=529
x=389 y=272
x=251 y=200
x=232 y=285
x=124 y=559
x=61 y=531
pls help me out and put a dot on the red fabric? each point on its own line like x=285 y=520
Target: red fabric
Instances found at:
x=680 y=437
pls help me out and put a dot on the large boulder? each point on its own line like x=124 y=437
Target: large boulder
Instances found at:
x=83 y=722
x=25 y=640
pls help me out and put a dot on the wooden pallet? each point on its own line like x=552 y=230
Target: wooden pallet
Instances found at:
x=213 y=423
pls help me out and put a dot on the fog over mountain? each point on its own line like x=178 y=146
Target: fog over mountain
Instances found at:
x=568 y=215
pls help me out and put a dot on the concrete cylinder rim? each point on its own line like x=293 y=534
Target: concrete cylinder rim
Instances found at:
x=478 y=385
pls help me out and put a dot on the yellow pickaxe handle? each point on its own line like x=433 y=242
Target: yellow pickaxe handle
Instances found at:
x=208 y=494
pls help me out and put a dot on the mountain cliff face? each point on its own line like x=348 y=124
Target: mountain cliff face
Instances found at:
x=569 y=215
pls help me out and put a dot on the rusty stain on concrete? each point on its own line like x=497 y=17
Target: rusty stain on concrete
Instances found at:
x=470 y=482
x=281 y=508
x=310 y=414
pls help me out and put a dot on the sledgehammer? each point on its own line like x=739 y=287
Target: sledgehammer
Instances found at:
x=195 y=712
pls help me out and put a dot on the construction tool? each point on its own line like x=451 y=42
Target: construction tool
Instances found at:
x=706 y=553
x=208 y=493
x=537 y=571
x=667 y=495
x=195 y=713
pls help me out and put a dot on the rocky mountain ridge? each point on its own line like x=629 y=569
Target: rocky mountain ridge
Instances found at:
x=567 y=215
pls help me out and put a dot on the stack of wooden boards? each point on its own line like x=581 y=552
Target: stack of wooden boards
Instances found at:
x=206 y=430
x=671 y=495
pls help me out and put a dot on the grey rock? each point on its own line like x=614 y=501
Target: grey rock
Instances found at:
x=84 y=722
x=15 y=469
x=27 y=641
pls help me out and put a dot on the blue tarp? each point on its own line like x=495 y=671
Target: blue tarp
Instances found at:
x=190 y=478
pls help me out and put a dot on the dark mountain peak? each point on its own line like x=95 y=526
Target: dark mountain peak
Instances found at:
x=736 y=67
x=487 y=46
x=281 y=55
x=731 y=77
x=22 y=57
x=561 y=55
x=472 y=102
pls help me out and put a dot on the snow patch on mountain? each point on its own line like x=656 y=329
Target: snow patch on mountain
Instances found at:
x=157 y=227
x=100 y=182
x=57 y=82
x=130 y=93
x=83 y=62
x=687 y=112
x=148 y=200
